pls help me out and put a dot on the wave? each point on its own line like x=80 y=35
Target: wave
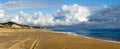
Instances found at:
x=73 y=33
x=70 y=33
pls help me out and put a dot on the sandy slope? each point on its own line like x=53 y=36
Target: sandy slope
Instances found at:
x=35 y=39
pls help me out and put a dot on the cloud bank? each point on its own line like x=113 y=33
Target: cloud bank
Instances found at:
x=67 y=15
x=70 y=16
x=107 y=18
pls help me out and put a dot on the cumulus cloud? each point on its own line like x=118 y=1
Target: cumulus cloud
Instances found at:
x=72 y=14
x=67 y=15
x=107 y=18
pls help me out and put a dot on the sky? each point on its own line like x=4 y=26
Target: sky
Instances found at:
x=54 y=5
x=92 y=13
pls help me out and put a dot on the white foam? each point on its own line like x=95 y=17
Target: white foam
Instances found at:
x=70 y=33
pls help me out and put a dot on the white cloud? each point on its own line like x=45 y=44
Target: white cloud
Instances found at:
x=107 y=18
x=67 y=15
x=72 y=14
x=1 y=13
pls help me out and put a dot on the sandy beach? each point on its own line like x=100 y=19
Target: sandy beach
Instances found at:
x=38 y=39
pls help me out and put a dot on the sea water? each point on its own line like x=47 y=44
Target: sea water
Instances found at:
x=104 y=34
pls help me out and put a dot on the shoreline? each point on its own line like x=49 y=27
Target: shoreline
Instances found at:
x=74 y=34
x=47 y=39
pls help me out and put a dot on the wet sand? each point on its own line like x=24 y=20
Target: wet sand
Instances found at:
x=36 y=39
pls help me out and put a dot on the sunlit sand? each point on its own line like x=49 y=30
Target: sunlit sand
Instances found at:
x=37 y=39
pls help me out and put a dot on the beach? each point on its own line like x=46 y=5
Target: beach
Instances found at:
x=39 y=39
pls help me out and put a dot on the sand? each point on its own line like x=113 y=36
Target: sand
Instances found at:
x=37 y=39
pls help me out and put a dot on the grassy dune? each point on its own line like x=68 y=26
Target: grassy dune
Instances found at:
x=36 y=39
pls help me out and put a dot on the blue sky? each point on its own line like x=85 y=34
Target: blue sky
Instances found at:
x=86 y=13
x=108 y=2
x=59 y=3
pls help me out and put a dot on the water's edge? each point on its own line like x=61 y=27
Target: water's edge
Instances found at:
x=74 y=34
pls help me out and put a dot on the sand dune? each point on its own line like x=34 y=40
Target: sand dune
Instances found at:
x=36 y=39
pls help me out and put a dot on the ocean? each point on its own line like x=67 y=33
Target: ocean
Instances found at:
x=104 y=34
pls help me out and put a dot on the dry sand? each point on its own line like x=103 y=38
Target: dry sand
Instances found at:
x=36 y=39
